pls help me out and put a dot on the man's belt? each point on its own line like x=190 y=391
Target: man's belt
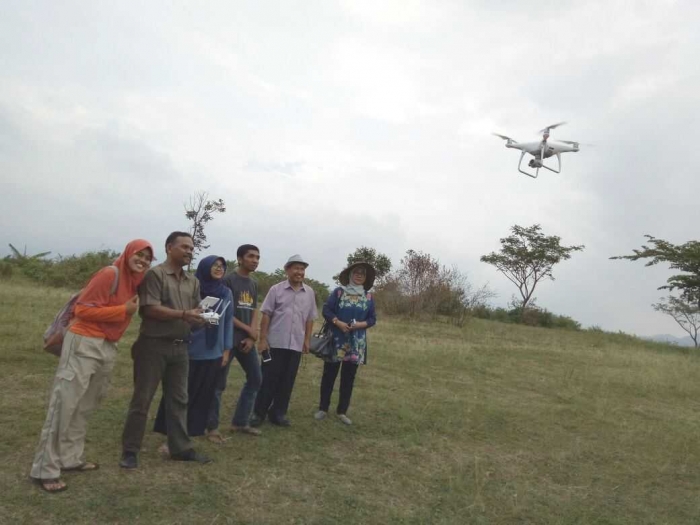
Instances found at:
x=167 y=339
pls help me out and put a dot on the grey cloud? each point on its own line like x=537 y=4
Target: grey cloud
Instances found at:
x=112 y=115
x=286 y=168
x=125 y=160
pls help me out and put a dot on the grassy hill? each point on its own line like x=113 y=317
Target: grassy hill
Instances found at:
x=490 y=423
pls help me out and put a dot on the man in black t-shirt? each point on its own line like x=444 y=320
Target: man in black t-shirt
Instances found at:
x=245 y=334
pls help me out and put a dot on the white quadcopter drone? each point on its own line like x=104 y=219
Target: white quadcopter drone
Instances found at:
x=541 y=150
x=211 y=314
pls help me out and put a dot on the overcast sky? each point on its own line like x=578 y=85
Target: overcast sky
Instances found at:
x=326 y=125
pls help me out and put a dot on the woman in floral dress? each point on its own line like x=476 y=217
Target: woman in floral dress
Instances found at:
x=350 y=312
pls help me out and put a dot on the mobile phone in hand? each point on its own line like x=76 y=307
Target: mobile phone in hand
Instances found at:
x=266 y=356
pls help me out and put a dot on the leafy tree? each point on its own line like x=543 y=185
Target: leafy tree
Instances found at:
x=682 y=257
x=380 y=262
x=528 y=256
x=322 y=291
x=686 y=314
x=200 y=211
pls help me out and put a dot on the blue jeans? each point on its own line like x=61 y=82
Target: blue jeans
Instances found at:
x=250 y=363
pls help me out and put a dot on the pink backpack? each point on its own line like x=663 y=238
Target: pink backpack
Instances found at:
x=56 y=332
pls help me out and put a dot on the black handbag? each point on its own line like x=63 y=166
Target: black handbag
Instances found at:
x=322 y=342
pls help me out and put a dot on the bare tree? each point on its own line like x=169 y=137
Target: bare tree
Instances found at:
x=452 y=295
x=427 y=287
x=418 y=274
x=200 y=211
x=472 y=297
x=685 y=313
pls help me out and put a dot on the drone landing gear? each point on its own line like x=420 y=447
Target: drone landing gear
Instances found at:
x=539 y=164
x=558 y=170
x=525 y=172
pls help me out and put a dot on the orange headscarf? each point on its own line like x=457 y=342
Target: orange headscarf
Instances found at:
x=98 y=312
x=128 y=280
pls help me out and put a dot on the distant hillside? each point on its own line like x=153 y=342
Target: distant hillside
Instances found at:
x=668 y=338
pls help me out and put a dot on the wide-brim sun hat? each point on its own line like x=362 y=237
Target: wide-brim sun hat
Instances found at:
x=370 y=272
x=295 y=259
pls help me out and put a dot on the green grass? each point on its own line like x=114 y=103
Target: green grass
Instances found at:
x=490 y=423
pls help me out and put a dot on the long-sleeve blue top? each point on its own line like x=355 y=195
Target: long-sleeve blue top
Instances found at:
x=198 y=348
x=353 y=345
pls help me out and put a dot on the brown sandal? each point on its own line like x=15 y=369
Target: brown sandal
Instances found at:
x=246 y=430
x=215 y=437
x=45 y=484
x=83 y=467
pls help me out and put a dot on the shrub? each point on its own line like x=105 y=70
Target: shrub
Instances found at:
x=532 y=316
x=535 y=316
x=6 y=270
x=421 y=286
x=63 y=272
x=75 y=271
x=389 y=300
x=565 y=322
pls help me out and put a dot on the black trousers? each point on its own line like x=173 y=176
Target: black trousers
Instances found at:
x=277 y=383
x=347 y=380
x=201 y=387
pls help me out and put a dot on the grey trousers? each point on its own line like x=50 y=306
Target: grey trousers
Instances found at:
x=80 y=384
x=157 y=360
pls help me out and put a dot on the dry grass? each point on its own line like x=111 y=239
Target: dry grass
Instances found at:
x=489 y=423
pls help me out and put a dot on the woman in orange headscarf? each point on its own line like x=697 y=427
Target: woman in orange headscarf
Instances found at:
x=101 y=316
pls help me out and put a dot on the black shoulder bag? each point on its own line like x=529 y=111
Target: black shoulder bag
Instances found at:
x=322 y=342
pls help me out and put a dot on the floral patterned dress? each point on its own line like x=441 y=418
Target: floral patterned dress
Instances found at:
x=351 y=347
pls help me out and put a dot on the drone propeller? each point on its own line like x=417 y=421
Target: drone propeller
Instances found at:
x=503 y=137
x=573 y=142
x=553 y=126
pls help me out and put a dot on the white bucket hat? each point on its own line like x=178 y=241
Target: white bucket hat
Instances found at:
x=295 y=259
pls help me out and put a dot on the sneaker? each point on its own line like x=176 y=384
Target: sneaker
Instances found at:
x=345 y=419
x=318 y=416
x=191 y=455
x=129 y=460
